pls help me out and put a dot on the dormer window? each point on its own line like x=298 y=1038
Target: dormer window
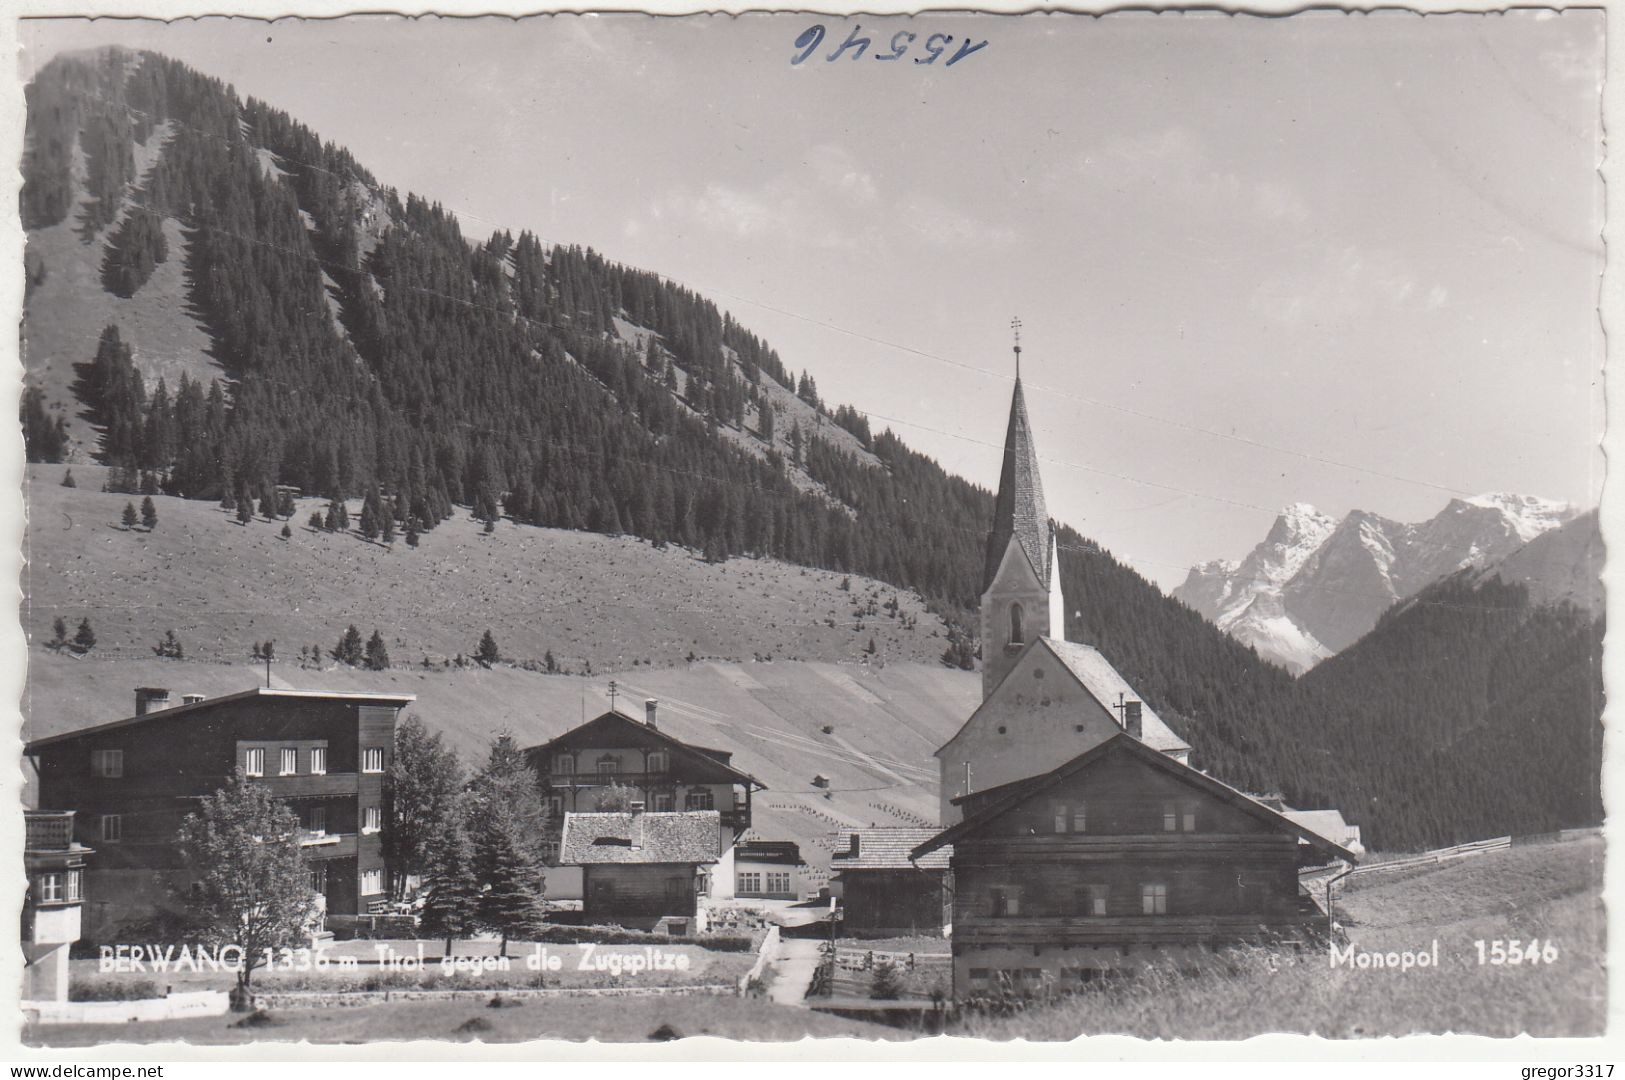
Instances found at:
x=1017 y=625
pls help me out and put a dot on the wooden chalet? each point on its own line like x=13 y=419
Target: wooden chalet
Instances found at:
x=1120 y=856
x=641 y=869
x=134 y=781
x=884 y=891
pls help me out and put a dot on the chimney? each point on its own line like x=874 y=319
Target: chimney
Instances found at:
x=191 y=699
x=1131 y=719
x=150 y=699
x=636 y=832
x=650 y=707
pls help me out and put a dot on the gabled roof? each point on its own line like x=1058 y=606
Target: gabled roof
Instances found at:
x=1104 y=683
x=1019 y=510
x=1021 y=791
x=1326 y=823
x=682 y=836
x=360 y=697
x=1096 y=675
x=615 y=728
x=886 y=849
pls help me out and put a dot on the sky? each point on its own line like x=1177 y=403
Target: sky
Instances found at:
x=1349 y=260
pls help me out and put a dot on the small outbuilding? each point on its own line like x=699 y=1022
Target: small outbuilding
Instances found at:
x=640 y=869
x=885 y=892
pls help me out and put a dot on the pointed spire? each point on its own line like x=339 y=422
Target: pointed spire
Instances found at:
x=1019 y=510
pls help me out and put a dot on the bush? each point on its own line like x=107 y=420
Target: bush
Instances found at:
x=112 y=990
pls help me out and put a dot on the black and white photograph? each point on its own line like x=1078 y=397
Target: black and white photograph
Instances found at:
x=635 y=530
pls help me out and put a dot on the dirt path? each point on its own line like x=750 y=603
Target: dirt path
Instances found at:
x=793 y=970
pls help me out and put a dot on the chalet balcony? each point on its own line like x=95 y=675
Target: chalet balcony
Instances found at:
x=737 y=819
x=48 y=830
x=664 y=778
x=320 y=846
x=312 y=785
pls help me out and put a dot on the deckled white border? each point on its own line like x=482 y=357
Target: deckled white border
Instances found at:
x=1223 y=1057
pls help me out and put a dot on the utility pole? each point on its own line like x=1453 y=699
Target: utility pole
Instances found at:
x=613 y=690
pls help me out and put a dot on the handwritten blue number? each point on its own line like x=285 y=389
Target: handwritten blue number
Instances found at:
x=807 y=41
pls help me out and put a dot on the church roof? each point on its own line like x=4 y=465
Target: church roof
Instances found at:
x=1104 y=682
x=1019 y=510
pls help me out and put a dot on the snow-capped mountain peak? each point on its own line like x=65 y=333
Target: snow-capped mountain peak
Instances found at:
x=1316 y=584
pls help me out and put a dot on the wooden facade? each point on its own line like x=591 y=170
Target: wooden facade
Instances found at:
x=895 y=903
x=640 y=895
x=1120 y=856
x=134 y=781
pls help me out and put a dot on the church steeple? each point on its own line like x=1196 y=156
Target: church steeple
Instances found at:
x=1020 y=510
x=1021 y=582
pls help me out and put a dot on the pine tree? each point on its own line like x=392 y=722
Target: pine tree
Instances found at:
x=169 y=647
x=84 y=639
x=510 y=819
x=349 y=650
x=377 y=656
x=287 y=531
x=68 y=480
x=59 y=633
x=316 y=524
x=245 y=510
x=451 y=883
x=412 y=534
x=129 y=516
x=487 y=654
x=149 y=514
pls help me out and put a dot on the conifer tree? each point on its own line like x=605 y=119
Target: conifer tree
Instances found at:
x=149 y=514
x=129 y=518
x=487 y=654
x=377 y=658
x=422 y=789
x=451 y=882
x=349 y=650
x=84 y=639
x=510 y=819
x=68 y=480
x=59 y=633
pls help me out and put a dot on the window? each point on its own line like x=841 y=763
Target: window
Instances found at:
x=50 y=888
x=1069 y=817
x=74 y=892
x=112 y=828
x=107 y=763
x=1154 y=899
x=318 y=760
x=372 y=882
x=608 y=765
x=659 y=761
x=699 y=799
x=979 y=976
x=318 y=878
x=1016 y=628
x=1006 y=900
x=254 y=761
x=372 y=759
x=1092 y=900
x=372 y=819
x=555 y=807
x=564 y=765
x=290 y=761
x=1179 y=817
x=778 y=882
x=750 y=882
x=664 y=801
x=318 y=821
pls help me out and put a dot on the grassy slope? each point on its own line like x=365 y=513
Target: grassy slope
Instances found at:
x=1551 y=892
x=612 y=601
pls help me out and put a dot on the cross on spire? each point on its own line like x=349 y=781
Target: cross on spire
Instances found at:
x=613 y=690
x=1015 y=327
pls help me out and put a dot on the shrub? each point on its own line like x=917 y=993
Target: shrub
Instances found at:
x=112 y=990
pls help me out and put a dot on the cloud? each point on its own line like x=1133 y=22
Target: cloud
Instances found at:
x=1174 y=164
x=943 y=225
x=1343 y=283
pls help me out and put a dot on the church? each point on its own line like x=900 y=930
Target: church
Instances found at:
x=1082 y=840
x=1044 y=699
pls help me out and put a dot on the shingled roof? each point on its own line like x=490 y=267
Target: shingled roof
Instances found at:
x=683 y=836
x=1019 y=510
x=886 y=849
x=1105 y=684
